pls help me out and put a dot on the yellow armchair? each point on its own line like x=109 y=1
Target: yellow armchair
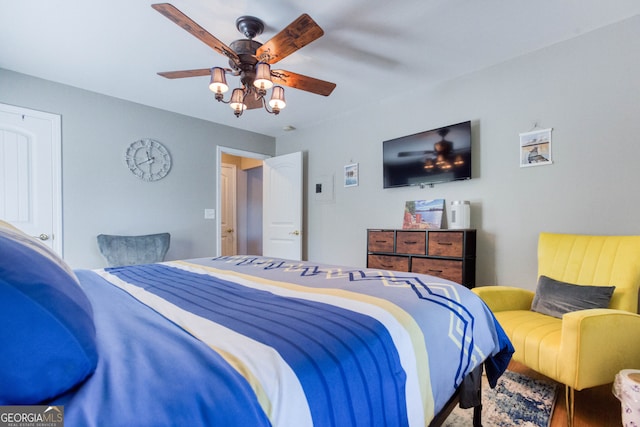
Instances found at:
x=584 y=348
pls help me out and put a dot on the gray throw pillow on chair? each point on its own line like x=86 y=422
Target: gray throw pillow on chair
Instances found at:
x=555 y=298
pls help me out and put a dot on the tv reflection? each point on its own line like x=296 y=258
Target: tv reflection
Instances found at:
x=433 y=156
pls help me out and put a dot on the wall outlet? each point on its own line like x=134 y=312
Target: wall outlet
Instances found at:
x=209 y=214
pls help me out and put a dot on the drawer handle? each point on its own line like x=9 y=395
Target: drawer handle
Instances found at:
x=411 y=242
x=435 y=271
x=381 y=241
x=387 y=267
x=445 y=243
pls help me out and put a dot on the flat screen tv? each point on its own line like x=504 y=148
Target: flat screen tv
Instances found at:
x=429 y=157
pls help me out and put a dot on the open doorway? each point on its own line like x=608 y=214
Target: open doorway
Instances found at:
x=239 y=202
x=274 y=218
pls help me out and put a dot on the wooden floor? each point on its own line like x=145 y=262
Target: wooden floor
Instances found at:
x=593 y=407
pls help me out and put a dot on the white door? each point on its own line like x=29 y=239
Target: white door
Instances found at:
x=228 y=226
x=282 y=207
x=30 y=173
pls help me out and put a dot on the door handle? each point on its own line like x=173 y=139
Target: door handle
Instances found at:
x=295 y=233
x=42 y=237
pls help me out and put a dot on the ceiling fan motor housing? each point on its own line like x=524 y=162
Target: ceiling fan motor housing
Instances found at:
x=246 y=51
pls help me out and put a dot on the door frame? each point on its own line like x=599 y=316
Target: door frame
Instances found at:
x=56 y=168
x=234 y=152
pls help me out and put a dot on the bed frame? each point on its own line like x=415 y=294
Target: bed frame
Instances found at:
x=467 y=396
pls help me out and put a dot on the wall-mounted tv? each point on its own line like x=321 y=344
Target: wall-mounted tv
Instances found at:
x=429 y=157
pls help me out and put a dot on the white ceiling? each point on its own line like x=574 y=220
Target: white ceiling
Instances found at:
x=115 y=47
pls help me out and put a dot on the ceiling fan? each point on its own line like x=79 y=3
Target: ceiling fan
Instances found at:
x=251 y=60
x=443 y=156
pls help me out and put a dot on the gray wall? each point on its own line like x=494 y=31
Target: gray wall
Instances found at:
x=100 y=195
x=587 y=89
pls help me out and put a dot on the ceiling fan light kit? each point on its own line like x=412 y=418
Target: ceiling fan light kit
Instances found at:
x=251 y=61
x=443 y=149
x=261 y=83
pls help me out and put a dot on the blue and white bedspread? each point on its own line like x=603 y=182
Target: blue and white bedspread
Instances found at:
x=294 y=344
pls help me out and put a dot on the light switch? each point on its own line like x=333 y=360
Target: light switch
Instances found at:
x=209 y=214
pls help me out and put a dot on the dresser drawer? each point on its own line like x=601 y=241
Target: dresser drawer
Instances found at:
x=388 y=262
x=411 y=242
x=447 y=269
x=380 y=241
x=449 y=244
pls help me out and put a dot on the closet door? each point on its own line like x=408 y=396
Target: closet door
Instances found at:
x=30 y=182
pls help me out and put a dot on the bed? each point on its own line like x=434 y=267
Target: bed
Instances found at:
x=237 y=341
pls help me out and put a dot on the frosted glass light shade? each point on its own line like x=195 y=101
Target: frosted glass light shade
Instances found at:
x=263 y=76
x=237 y=100
x=218 y=81
x=277 y=101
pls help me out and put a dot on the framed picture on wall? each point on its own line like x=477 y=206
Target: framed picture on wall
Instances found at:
x=535 y=148
x=351 y=175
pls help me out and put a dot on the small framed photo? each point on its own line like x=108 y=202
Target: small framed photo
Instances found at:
x=423 y=214
x=535 y=148
x=351 y=175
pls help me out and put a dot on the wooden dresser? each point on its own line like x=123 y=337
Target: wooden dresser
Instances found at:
x=450 y=254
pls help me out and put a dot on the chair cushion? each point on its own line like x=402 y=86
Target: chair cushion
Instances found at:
x=47 y=330
x=555 y=298
x=535 y=337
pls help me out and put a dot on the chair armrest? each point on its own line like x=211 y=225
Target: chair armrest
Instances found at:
x=596 y=344
x=505 y=298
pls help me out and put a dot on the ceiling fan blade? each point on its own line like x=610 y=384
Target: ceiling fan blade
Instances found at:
x=298 y=81
x=194 y=29
x=295 y=36
x=186 y=73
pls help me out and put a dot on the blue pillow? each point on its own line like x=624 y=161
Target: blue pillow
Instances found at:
x=47 y=332
x=556 y=298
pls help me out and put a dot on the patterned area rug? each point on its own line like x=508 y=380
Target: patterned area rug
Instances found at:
x=517 y=400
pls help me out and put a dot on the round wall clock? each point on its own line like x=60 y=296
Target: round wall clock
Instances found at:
x=148 y=159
